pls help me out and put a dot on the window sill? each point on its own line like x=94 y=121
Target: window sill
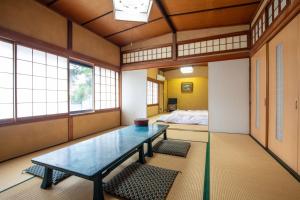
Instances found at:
x=93 y=112
x=24 y=120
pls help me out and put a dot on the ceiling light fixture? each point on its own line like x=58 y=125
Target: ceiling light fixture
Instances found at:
x=132 y=10
x=186 y=70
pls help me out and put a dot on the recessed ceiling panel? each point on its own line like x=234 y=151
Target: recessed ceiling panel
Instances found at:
x=145 y=31
x=107 y=25
x=82 y=11
x=225 y=17
x=181 y=6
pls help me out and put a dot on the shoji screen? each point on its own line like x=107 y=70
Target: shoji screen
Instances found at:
x=6 y=81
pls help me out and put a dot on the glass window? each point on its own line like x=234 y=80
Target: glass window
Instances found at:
x=42 y=83
x=276 y=8
x=263 y=22
x=279 y=92
x=152 y=93
x=270 y=14
x=6 y=81
x=283 y=4
x=106 y=88
x=81 y=87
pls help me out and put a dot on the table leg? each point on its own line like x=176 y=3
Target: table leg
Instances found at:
x=165 y=135
x=47 y=180
x=141 y=155
x=150 y=150
x=98 y=189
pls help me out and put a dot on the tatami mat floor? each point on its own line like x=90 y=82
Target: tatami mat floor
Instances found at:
x=187 y=185
x=239 y=170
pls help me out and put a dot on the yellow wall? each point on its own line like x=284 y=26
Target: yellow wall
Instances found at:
x=152 y=110
x=198 y=99
x=165 y=95
x=152 y=73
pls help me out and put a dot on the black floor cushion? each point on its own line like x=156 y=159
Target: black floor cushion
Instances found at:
x=38 y=170
x=141 y=182
x=175 y=148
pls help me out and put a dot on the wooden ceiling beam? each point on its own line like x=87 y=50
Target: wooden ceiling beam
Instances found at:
x=108 y=36
x=91 y=20
x=47 y=2
x=165 y=15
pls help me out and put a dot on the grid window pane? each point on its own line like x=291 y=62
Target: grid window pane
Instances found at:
x=6 y=65
x=6 y=49
x=105 y=90
x=24 y=109
x=38 y=83
x=24 y=53
x=39 y=109
x=24 y=67
x=6 y=96
x=39 y=70
x=6 y=111
x=152 y=93
x=51 y=59
x=39 y=57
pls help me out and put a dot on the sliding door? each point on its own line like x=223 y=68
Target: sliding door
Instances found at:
x=258 y=95
x=283 y=92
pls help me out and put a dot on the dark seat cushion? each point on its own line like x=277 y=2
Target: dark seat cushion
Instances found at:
x=175 y=148
x=137 y=182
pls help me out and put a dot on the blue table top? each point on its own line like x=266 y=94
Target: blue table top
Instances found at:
x=89 y=157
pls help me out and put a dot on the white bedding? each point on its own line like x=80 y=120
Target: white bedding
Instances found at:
x=186 y=117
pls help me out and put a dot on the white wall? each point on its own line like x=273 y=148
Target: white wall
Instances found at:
x=134 y=88
x=228 y=96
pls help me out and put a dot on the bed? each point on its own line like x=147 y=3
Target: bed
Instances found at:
x=192 y=117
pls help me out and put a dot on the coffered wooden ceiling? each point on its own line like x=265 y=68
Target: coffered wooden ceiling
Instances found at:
x=166 y=16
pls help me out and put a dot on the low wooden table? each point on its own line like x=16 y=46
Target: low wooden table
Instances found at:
x=95 y=158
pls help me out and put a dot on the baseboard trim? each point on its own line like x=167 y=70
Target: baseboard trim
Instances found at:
x=281 y=162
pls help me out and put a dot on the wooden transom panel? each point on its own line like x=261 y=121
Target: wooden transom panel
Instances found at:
x=98 y=16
